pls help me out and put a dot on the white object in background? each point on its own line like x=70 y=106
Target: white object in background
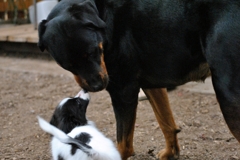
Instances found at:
x=43 y=9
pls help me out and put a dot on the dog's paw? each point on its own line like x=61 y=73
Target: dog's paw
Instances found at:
x=169 y=154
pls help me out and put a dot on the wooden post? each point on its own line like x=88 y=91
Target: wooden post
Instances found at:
x=35 y=14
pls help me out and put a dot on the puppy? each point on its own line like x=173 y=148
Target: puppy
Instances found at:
x=74 y=137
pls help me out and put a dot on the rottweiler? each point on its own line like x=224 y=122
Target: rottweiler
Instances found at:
x=150 y=44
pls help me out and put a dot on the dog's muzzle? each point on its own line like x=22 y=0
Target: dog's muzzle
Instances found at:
x=95 y=81
x=94 y=84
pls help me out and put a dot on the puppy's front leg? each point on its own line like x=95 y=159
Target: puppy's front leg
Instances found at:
x=125 y=102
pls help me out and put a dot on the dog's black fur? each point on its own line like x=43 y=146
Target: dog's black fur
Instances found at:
x=148 y=44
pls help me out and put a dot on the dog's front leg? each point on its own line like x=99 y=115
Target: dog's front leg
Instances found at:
x=125 y=100
x=159 y=101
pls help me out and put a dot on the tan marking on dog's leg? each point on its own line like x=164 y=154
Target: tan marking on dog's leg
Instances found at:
x=125 y=147
x=160 y=104
x=125 y=144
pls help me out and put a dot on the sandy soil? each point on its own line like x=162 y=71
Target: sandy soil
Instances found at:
x=31 y=87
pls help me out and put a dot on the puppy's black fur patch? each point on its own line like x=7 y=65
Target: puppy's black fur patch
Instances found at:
x=60 y=157
x=83 y=137
x=68 y=116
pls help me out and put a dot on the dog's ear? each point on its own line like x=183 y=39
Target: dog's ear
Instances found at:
x=87 y=12
x=41 y=31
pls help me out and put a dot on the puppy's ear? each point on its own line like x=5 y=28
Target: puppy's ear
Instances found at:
x=41 y=31
x=87 y=12
x=54 y=120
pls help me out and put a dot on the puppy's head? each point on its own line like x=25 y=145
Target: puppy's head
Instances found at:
x=73 y=34
x=71 y=112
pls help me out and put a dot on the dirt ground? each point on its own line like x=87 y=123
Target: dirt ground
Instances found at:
x=31 y=87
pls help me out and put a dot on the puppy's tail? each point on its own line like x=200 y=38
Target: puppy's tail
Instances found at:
x=63 y=137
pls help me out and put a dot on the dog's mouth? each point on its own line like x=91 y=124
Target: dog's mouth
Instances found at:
x=93 y=85
x=98 y=81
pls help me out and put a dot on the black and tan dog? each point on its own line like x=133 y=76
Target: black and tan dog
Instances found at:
x=148 y=44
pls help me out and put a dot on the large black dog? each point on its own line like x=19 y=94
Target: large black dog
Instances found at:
x=151 y=44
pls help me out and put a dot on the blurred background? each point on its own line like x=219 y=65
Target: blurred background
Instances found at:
x=22 y=11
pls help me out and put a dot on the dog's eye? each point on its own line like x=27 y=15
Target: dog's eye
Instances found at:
x=90 y=55
x=66 y=65
x=90 y=26
x=70 y=65
x=87 y=55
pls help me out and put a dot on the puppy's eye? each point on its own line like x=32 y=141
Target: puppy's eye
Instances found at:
x=78 y=101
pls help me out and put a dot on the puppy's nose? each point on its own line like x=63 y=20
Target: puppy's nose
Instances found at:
x=83 y=94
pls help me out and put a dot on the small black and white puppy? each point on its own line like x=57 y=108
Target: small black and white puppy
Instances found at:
x=74 y=137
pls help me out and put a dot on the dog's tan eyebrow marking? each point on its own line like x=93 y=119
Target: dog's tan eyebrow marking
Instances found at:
x=103 y=66
x=100 y=45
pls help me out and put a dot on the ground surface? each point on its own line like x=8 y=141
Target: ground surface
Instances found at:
x=31 y=87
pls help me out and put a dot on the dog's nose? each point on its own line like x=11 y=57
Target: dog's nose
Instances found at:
x=93 y=84
x=98 y=83
x=96 y=88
